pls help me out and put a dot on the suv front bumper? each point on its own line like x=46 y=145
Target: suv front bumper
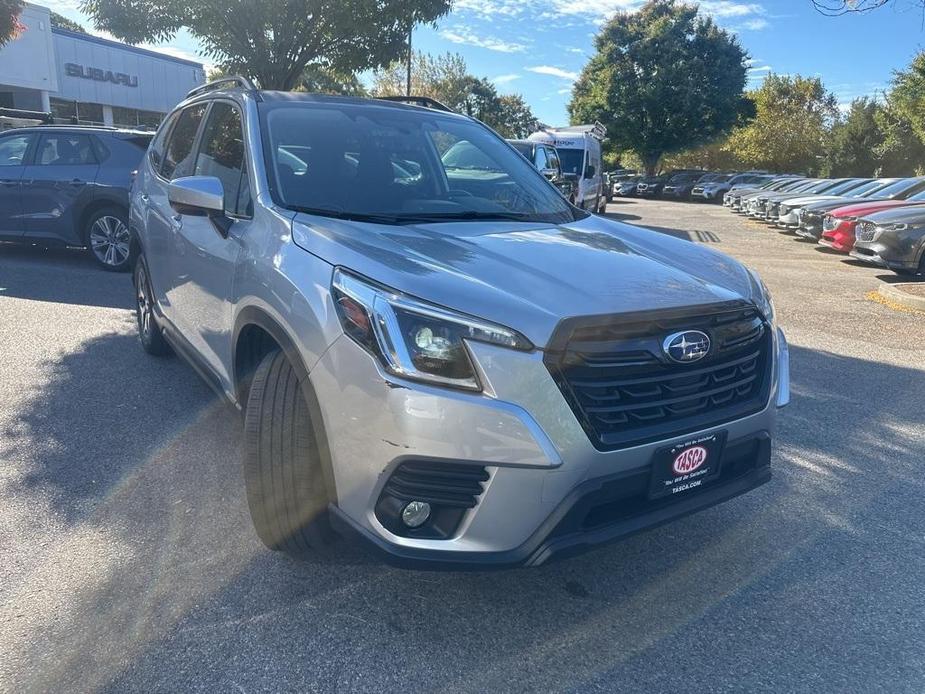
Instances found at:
x=545 y=478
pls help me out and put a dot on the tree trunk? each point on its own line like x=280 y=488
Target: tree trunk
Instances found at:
x=650 y=162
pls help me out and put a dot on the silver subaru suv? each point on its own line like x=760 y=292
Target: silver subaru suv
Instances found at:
x=432 y=350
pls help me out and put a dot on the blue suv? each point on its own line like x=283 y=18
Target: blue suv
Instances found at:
x=69 y=185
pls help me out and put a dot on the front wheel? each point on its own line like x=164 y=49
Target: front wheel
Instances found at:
x=109 y=240
x=149 y=332
x=286 y=492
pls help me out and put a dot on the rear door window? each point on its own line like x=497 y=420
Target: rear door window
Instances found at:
x=178 y=159
x=65 y=149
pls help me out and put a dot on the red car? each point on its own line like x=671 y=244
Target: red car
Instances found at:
x=838 y=225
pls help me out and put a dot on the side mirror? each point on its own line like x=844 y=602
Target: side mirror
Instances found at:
x=200 y=196
x=197 y=196
x=590 y=171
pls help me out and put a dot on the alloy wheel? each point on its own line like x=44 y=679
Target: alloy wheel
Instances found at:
x=144 y=305
x=109 y=240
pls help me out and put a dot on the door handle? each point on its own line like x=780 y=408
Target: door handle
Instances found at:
x=9 y=182
x=78 y=182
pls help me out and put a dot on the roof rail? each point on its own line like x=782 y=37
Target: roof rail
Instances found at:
x=424 y=101
x=43 y=116
x=235 y=80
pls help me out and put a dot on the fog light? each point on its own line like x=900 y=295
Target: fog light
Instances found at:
x=415 y=514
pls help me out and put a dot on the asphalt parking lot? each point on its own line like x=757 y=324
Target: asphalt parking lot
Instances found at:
x=128 y=562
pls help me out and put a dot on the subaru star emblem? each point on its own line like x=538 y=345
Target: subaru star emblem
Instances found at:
x=687 y=346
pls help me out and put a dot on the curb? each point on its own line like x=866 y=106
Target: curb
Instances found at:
x=895 y=294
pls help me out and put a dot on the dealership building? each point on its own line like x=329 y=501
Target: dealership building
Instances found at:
x=90 y=79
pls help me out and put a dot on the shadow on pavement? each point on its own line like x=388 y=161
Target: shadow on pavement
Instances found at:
x=61 y=275
x=156 y=582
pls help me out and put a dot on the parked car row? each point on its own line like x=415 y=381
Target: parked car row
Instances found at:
x=682 y=185
x=880 y=221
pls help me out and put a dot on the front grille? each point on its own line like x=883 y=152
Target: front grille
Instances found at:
x=625 y=391
x=810 y=219
x=865 y=231
x=439 y=484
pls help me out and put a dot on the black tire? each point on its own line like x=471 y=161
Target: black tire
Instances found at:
x=149 y=332
x=108 y=239
x=286 y=492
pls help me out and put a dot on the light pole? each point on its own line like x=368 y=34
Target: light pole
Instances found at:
x=408 y=66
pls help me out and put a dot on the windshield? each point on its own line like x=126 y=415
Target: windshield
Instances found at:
x=782 y=183
x=792 y=185
x=524 y=148
x=895 y=189
x=865 y=189
x=394 y=166
x=572 y=160
x=843 y=187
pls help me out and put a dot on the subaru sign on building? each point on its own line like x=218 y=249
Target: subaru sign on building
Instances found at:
x=86 y=78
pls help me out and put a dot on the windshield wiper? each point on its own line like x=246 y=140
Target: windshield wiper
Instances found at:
x=465 y=215
x=337 y=213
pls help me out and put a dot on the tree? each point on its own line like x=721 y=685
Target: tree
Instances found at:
x=9 y=20
x=789 y=131
x=442 y=77
x=907 y=95
x=59 y=20
x=855 y=141
x=715 y=156
x=446 y=78
x=275 y=41
x=663 y=79
x=902 y=123
x=318 y=80
x=902 y=152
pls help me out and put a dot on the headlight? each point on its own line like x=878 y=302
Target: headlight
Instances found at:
x=414 y=339
x=894 y=227
x=763 y=298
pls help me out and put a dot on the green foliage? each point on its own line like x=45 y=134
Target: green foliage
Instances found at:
x=62 y=22
x=9 y=20
x=790 y=128
x=715 y=156
x=275 y=41
x=903 y=119
x=907 y=96
x=663 y=79
x=854 y=141
x=318 y=80
x=902 y=152
x=446 y=78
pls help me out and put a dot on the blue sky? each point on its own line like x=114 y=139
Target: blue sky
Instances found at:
x=537 y=47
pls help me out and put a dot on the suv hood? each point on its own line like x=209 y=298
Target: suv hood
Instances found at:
x=869 y=207
x=530 y=276
x=835 y=203
x=803 y=201
x=913 y=214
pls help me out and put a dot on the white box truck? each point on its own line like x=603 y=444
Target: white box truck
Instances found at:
x=579 y=148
